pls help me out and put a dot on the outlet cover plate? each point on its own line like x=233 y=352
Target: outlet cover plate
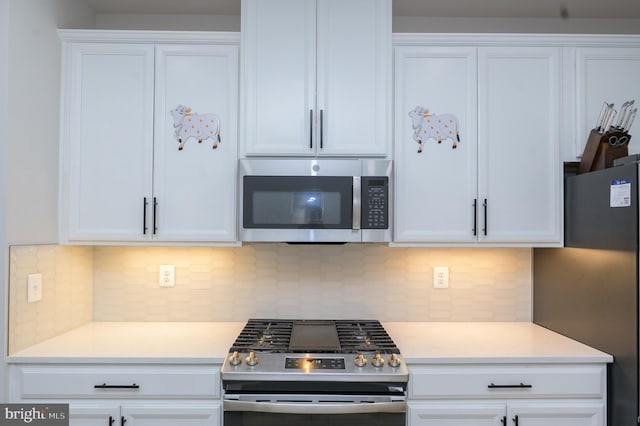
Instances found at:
x=441 y=277
x=34 y=288
x=167 y=276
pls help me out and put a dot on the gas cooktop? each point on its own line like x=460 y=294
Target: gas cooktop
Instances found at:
x=336 y=350
x=316 y=336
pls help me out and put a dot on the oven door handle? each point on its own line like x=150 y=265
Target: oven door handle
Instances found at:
x=316 y=407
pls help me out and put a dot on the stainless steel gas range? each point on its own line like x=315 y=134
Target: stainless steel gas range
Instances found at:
x=314 y=372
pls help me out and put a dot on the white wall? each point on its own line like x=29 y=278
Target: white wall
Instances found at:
x=169 y=22
x=423 y=24
x=4 y=59
x=401 y=24
x=34 y=99
x=30 y=59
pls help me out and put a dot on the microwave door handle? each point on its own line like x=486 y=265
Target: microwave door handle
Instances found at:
x=357 y=203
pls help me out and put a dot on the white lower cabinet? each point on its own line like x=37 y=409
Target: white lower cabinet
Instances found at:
x=119 y=395
x=466 y=413
x=518 y=395
x=148 y=413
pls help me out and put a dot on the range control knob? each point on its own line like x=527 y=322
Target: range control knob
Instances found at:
x=394 y=361
x=252 y=359
x=235 y=359
x=377 y=360
x=360 y=360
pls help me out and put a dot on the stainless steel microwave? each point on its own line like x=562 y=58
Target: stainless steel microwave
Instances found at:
x=315 y=201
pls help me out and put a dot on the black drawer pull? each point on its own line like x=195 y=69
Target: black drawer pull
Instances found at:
x=519 y=386
x=106 y=386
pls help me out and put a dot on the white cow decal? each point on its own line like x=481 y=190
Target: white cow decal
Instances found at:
x=433 y=126
x=187 y=124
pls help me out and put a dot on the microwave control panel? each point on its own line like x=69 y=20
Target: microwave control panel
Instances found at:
x=375 y=202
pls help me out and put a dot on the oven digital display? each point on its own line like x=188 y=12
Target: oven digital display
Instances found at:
x=308 y=364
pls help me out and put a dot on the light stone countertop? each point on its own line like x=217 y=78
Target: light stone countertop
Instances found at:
x=209 y=342
x=487 y=342
x=136 y=342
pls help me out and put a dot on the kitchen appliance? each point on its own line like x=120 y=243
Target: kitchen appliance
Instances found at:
x=589 y=290
x=314 y=372
x=315 y=201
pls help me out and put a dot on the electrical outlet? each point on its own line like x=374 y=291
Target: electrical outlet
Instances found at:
x=34 y=288
x=441 y=277
x=167 y=275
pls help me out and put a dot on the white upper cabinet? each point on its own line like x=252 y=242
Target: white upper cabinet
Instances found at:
x=604 y=74
x=436 y=184
x=316 y=77
x=194 y=187
x=477 y=145
x=107 y=140
x=519 y=168
x=128 y=108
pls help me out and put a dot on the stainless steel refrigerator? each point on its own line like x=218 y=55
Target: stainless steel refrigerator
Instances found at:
x=589 y=290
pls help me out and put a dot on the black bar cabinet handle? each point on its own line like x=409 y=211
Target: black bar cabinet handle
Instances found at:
x=155 y=210
x=310 y=129
x=484 y=204
x=518 y=386
x=475 y=217
x=144 y=216
x=515 y=420
x=504 y=421
x=106 y=386
x=122 y=421
x=321 y=128
x=111 y=420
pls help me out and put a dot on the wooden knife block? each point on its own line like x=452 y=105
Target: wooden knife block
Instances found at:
x=599 y=154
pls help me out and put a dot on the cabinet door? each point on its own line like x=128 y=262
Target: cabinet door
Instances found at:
x=107 y=141
x=195 y=151
x=279 y=83
x=455 y=414
x=172 y=414
x=605 y=74
x=354 y=76
x=556 y=414
x=94 y=414
x=519 y=151
x=435 y=182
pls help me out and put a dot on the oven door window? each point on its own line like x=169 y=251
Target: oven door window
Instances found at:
x=297 y=202
x=277 y=419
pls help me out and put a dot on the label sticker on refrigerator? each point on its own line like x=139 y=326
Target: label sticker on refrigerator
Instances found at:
x=620 y=195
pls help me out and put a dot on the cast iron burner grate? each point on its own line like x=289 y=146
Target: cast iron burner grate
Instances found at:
x=364 y=336
x=264 y=336
x=274 y=335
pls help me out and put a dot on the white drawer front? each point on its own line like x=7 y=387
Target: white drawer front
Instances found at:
x=518 y=381
x=118 y=382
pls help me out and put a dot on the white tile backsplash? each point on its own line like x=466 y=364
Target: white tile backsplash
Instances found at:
x=108 y=283
x=312 y=281
x=67 y=292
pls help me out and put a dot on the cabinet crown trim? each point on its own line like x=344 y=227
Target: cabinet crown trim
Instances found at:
x=504 y=39
x=144 y=36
